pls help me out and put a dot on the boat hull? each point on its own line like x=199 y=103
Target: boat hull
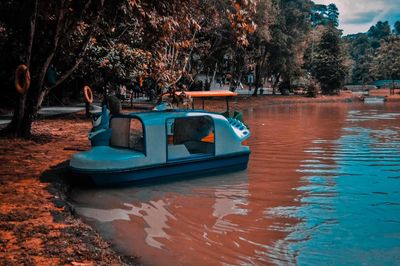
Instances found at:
x=374 y=99
x=177 y=168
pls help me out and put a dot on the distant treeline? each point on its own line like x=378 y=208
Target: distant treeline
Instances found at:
x=375 y=54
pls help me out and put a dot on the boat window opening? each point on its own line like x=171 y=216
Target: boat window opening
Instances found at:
x=136 y=139
x=190 y=136
x=127 y=133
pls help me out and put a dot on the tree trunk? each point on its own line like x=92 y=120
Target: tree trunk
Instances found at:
x=43 y=93
x=275 y=85
x=257 y=79
x=23 y=116
x=30 y=102
x=215 y=72
x=392 y=89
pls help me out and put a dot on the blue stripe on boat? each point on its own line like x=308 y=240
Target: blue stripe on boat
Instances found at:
x=237 y=161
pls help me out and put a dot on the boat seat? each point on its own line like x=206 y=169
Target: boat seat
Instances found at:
x=120 y=132
x=195 y=147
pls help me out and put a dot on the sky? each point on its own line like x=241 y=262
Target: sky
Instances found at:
x=359 y=15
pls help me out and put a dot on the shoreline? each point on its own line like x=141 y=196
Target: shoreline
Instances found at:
x=37 y=224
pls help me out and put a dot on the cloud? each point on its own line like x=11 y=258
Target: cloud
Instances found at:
x=359 y=15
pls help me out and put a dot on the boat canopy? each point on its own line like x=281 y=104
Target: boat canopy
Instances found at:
x=207 y=94
x=202 y=94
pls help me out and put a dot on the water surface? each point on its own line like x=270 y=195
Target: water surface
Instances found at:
x=322 y=186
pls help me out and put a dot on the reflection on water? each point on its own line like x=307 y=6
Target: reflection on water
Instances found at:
x=322 y=185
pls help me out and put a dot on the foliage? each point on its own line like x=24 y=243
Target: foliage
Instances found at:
x=37 y=37
x=324 y=15
x=363 y=49
x=312 y=88
x=386 y=62
x=397 y=27
x=379 y=32
x=288 y=35
x=328 y=65
x=168 y=43
x=110 y=42
x=333 y=15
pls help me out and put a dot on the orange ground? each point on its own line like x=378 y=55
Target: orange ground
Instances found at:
x=386 y=92
x=36 y=224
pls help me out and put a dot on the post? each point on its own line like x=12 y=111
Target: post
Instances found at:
x=131 y=98
x=193 y=104
x=203 y=102
x=87 y=109
x=227 y=104
x=392 y=89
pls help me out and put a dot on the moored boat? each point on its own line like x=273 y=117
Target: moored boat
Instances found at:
x=374 y=99
x=161 y=144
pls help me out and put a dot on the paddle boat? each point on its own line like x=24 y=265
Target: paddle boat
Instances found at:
x=374 y=99
x=160 y=144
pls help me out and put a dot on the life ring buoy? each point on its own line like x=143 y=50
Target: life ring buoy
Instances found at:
x=26 y=79
x=87 y=91
x=141 y=82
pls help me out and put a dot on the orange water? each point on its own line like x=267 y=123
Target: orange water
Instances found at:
x=303 y=199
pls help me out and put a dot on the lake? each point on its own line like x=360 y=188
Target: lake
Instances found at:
x=322 y=186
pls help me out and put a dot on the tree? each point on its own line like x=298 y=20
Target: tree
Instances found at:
x=288 y=35
x=112 y=41
x=258 y=48
x=361 y=53
x=45 y=28
x=386 y=62
x=328 y=67
x=379 y=32
x=397 y=27
x=324 y=15
x=318 y=15
x=363 y=48
x=333 y=14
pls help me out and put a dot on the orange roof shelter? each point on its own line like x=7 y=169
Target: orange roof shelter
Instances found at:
x=207 y=94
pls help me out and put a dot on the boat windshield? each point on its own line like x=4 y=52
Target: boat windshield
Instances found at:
x=190 y=136
x=127 y=133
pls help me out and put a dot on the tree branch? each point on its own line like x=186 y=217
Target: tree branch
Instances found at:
x=32 y=33
x=185 y=64
x=85 y=45
x=79 y=60
x=59 y=28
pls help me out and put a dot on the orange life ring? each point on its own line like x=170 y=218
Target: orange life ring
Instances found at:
x=22 y=88
x=87 y=91
x=140 y=81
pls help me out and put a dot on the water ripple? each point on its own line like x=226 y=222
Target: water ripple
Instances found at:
x=322 y=187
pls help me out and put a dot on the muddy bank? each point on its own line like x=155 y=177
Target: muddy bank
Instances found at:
x=36 y=225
